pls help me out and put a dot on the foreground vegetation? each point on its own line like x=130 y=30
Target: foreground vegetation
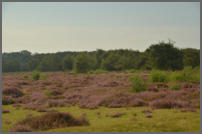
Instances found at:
x=132 y=119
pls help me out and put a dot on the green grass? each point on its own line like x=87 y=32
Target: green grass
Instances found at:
x=164 y=120
x=14 y=116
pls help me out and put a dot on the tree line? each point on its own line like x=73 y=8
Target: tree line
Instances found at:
x=162 y=56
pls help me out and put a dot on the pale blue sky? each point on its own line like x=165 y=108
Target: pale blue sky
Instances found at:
x=56 y=26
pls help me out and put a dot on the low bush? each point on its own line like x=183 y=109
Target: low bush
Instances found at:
x=168 y=103
x=130 y=71
x=48 y=93
x=187 y=75
x=6 y=100
x=117 y=115
x=36 y=75
x=159 y=76
x=21 y=128
x=26 y=76
x=44 y=76
x=56 y=103
x=52 y=120
x=12 y=91
x=97 y=71
x=5 y=111
x=175 y=86
x=138 y=84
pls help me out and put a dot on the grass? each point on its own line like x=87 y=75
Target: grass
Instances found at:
x=163 y=120
x=14 y=116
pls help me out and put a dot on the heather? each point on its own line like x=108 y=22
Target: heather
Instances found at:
x=130 y=100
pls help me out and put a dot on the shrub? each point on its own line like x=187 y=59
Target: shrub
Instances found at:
x=175 y=86
x=56 y=103
x=130 y=71
x=75 y=74
x=97 y=71
x=168 y=103
x=116 y=115
x=46 y=83
x=7 y=100
x=26 y=76
x=138 y=84
x=5 y=111
x=52 y=120
x=48 y=93
x=12 y=91
x=159 y=76
x=36 y=75
x=44 y=76
x=187 y=75
x=21 y=128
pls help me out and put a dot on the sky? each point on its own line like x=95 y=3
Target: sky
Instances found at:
x=44 y=27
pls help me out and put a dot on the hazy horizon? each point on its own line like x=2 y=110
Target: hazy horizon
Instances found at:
x=49 y=27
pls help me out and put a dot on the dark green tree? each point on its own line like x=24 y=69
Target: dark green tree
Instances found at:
x=191 y=57
x=165 y=56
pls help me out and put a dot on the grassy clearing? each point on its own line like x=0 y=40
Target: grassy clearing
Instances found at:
x=15 y=115
x=163 y=120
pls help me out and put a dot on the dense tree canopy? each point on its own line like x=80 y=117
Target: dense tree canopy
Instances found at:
x=162 y=56
x=165 y=56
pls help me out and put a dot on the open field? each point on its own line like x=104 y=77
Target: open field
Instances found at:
x=106 y=100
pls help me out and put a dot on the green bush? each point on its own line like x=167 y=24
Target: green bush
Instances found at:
x=159 y=76
x=130 y=71
x=138 y=84
x=187 y=75
x=44 y=76
x=35 y=75
x=48 y=93
x=97 y=71
x=175 y=86
x=26 y=76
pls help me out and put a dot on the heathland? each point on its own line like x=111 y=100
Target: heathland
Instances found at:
x=103 y=91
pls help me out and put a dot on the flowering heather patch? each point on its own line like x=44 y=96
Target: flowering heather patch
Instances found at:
x=21 y=128
x=168 y=103
x=57 y=103
x=6 y=100
x=53 y=120
x=93 y=91
x=12 y=91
